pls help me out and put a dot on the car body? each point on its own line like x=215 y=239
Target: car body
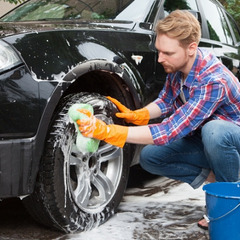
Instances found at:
x=58 y=53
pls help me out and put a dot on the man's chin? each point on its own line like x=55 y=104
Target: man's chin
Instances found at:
x=168 y=70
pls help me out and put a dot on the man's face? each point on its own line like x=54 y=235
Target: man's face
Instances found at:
x=171 y=55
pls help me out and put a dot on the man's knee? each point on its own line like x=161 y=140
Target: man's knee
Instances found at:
x=213 y=133
x=212 y=128
x=220 y=132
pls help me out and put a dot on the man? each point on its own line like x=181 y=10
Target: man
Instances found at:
x=200 y=140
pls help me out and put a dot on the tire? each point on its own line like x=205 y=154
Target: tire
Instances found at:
x=76 y=191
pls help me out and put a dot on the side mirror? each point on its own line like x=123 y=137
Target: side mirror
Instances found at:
x=145 y=25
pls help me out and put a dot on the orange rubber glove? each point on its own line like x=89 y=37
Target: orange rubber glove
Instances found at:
x=137 y=117
x=96 y=128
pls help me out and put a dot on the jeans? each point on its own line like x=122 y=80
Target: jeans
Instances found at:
x=190 y=159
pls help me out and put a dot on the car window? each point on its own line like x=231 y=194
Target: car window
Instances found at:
x=235 y=29
x=136 y=10
x=69 y=10
x=217 y=24
x=171 y=5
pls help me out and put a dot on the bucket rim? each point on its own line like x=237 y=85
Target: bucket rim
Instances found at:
x=218 y=194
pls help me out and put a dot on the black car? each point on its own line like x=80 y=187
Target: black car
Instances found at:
x=54 y=54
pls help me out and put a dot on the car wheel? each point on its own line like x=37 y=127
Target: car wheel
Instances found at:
x=76 y=191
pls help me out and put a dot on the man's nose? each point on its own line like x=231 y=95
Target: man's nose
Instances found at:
x=160 y=57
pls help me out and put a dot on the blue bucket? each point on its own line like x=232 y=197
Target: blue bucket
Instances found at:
x=223 y=210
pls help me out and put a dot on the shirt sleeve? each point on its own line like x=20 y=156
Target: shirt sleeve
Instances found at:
x=206 y=99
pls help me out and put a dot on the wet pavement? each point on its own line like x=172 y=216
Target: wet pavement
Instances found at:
x=15 y=223
x=154 y=220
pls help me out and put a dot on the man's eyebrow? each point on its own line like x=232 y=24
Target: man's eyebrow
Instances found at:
x=166 y=52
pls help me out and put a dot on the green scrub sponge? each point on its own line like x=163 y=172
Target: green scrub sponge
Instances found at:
x=84 y=144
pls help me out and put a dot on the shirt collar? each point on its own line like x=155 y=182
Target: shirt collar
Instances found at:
x=194 y=70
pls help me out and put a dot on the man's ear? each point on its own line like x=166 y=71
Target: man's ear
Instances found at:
x=192 y=47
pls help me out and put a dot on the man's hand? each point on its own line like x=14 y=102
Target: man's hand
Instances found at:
x=137 y=117
x=91 y=126
x=96 y=128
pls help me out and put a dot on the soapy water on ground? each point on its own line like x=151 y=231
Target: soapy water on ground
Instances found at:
x=164 y=209
x=157 y=208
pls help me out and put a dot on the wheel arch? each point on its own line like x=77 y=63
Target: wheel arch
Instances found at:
x=106 y=78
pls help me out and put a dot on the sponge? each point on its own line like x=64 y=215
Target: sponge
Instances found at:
x=84 y=144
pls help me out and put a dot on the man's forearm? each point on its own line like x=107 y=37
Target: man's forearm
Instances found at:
x=139 y=135
x=154 y=110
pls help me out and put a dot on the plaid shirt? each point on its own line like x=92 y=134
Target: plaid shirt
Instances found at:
x=211 y=92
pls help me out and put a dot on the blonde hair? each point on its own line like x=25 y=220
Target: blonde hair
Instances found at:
x=180 y=25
